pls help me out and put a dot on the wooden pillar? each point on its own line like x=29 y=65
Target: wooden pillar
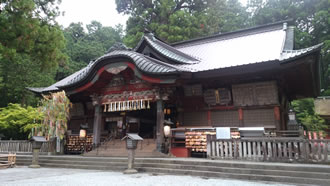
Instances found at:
x=160 y=125
x=240 y=117
x=277 y=116
x=209 y=120
x=97 y=124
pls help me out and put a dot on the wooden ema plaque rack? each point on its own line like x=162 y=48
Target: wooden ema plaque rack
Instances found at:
x=197 y=141
x=77 y=145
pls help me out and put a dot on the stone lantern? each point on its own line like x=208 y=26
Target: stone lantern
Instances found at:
x=292 y=122
x=132 y=140
x=37 y=142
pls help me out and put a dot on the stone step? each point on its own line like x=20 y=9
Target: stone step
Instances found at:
x=89 y=163
x=286 y=179
x=146 y=155
x=79 y=166
x=195 y=162
x=301 y=173
x=247 y=174
x=243 y=164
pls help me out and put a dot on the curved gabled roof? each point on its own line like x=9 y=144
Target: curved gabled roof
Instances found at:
x=145 y=64
x=217 y=53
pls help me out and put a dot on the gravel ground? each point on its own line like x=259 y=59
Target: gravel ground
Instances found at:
x=56 y=176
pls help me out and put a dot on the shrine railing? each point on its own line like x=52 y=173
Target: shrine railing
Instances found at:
x=9 y=146
x=269 y=149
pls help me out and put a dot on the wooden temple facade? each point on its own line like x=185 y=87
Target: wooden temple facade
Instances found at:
x=239 y=79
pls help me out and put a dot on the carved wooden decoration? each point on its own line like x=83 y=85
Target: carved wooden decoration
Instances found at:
x=220 y=96
x=193 y=90
x=262 y=93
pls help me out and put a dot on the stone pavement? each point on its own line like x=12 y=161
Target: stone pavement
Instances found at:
x=65 y=177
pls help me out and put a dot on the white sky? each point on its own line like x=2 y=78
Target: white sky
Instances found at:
x=85 y=11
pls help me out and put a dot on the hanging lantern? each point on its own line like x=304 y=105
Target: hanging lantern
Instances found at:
x=115 y=106
x=124 y=105
x=119 y=106
x=105 y=108
x=141 y=106
x=82 y=133
x=148 y=106
x=138 y=105
x=111 y=109
x=134 y=105
x=167 y=131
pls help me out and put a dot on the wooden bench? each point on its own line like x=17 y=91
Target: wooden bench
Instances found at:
x=7 y=160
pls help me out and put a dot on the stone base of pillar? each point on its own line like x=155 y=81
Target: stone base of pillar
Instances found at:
x=34 y=166
x=130 y=171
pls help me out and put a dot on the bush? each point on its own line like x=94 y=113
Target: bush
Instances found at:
x=16 y=121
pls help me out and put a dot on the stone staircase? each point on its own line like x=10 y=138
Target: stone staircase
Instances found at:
x=117 y=148
x=299 y=174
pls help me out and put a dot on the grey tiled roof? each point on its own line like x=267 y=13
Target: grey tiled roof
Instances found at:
x=230 y=50
x=144 y=63
x=169 y=51
x=250 y=46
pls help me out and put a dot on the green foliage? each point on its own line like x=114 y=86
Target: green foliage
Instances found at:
x=55 y=109
x=310 y=17
x=16 y=122
x=306 y=115
x=82 y=46
x=177 y=20
x=31 y=45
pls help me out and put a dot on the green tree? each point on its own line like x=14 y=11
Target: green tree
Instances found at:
x=306 y=115
x=16 y=122
x=82 y=46
x=31 y=45
x=177 y=20
x=310 y=17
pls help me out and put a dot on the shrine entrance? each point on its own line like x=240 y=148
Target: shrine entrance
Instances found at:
x=126 y=101
x=143 y=122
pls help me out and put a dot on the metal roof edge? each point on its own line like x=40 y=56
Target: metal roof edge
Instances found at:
x=36 y=89
x=301 y=52
x=226 y=34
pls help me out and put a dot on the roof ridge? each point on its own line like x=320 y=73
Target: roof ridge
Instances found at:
x=169 y=48
x=231 y=35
